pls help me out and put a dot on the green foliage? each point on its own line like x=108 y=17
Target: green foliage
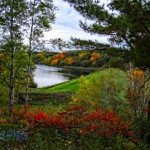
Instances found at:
x=106 y=89
x=11 y=25
x=19 y=72
x=66 y=126
x=3 y=95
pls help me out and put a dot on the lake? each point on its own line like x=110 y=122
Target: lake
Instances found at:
x=49 y=75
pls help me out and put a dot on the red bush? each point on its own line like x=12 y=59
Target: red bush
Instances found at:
x=78 y=119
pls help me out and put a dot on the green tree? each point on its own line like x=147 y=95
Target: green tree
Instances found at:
x=126 y=22
x=12 y=18
x=40 y=16
x=20 y=63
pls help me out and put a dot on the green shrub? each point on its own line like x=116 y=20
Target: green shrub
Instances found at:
x=107 y=89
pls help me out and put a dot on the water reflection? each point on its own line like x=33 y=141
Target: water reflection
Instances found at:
x=48 y=75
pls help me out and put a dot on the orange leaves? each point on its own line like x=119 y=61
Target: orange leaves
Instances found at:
x=57 y=58
x=136 y=73
x=62 y=55
x=95 y=56
x=139 y=73
x=59 y=55
x=69 y=60
x=76 y=58
x=54 y=62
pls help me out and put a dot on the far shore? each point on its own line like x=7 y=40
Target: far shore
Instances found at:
x=75 y=67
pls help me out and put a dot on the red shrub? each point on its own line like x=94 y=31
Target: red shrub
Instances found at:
x=82 y=122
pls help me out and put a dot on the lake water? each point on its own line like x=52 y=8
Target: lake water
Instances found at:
x=48 y=75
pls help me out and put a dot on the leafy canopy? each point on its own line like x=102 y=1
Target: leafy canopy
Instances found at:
x=126 y=22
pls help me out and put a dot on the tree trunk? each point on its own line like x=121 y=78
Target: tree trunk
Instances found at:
x=28 y=77
x=29 y=55
x=11 y=94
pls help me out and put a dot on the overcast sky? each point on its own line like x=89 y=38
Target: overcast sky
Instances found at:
x=67 y=24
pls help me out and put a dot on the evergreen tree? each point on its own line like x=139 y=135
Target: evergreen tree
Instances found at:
x=127 y=22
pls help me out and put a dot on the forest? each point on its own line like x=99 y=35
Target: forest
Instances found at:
x=105 y=110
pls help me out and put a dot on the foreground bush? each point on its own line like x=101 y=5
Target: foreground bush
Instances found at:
x=76 y=128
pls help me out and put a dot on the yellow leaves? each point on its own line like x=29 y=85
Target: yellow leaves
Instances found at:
x=69 y=60
x=83 y=55
x=40 y=55
x=95 y=56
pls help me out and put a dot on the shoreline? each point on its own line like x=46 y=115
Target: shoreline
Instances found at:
x=74 y=67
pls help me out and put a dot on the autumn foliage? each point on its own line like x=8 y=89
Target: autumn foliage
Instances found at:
x=79 y=120
x=73 y=58
x=74 y=126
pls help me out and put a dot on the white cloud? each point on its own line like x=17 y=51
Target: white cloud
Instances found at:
x=67 y=24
